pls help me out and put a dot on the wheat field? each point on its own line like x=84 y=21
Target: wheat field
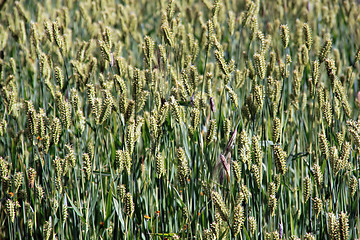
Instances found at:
x=179 y=119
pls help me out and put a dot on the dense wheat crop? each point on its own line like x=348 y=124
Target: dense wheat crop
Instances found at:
x=179 y=119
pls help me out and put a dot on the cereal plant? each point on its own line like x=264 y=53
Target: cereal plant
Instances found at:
x=174 y=119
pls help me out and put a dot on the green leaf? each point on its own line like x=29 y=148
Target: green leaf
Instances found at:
x=108 y=205
x=246 y=233
x=291 y=223
x=118 y=211
x=76 y=209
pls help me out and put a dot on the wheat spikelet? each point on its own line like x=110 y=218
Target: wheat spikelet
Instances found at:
x=220 y=205
x=327 y=109
x=304 y=52
x=59 y=40
x=87 y=165
x=221 y=62
x=307 y=188
x=280 y=161
x=237 y=171
x=74 y=99
x=183 y=168
x=10 y=209
x=343 y=223
x=211 y=134
x=39 y=192
x=127 y=162
x=272 y=204
x=335 y=161
x=260 y=65
x=317 y=205
x=257 y=171
x=64 y=213
x=59 y=76
x=107 y=106
x=175 y=109
x=325 y=50
x=121 y=191
x=168 y=34
x=238 y=219
x=119 y=161
x=276 y=130
x=55 y=130
x=353 y=185
x=47 y=229
x=129 y=206
x=233 y=96
x=333 y=226
x=318 y=176
x=194 y=120
x=309 y=236
x=160 y=165
x=285 y=35
x=105 y=50
x=324 y=145
x=256 y=150
x=307 y=35
x=357 y=56
x=354 y=129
